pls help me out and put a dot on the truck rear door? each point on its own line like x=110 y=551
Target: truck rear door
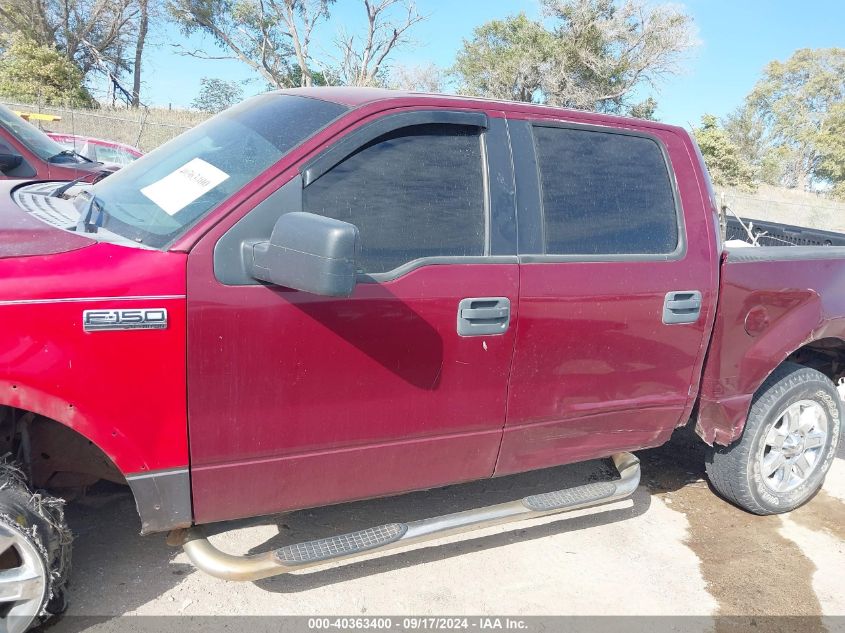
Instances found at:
x=618 y=277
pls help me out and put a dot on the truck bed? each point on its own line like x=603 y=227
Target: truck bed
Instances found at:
x=776 y=234
x=773 y=301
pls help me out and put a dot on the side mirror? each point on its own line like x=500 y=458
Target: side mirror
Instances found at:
x=9 y=161
x=308 y=252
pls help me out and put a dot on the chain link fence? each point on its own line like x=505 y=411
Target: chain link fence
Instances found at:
x=144 y=128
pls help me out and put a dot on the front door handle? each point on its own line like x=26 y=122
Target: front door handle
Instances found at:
x=483 y=316
x=682 y=306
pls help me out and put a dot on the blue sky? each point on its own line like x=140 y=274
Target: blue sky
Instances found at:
x=737 y=39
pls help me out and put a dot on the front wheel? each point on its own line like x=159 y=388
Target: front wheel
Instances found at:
x=34 y=554
x=788 y=445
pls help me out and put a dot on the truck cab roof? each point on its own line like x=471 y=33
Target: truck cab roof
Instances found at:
x=356 y=97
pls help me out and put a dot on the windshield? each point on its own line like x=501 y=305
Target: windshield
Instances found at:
x=157 y=197
x=35 y=140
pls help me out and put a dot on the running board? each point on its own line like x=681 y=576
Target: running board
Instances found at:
x=289 y=558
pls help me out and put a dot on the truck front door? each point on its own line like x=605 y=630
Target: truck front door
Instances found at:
x=11 y=149
x=297 y=400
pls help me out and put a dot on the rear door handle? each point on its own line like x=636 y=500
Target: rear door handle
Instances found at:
x=475 y=314
x=483 y=316
x=681 y=306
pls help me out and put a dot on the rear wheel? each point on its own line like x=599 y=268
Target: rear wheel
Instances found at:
x=34 y=554
x=789 y=442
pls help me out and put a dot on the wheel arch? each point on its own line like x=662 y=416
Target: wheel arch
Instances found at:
x=826 y=355
x=722 y=420
x=109 y=441
x=66 y=450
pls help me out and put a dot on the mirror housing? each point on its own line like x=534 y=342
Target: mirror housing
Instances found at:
x=9 y=161
x=308 y=252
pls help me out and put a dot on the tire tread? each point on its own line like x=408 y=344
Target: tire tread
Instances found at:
x=727 y=466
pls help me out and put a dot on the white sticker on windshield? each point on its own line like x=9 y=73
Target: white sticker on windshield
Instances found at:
x=179 y=189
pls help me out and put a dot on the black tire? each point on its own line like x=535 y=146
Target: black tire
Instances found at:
x=735 y=470
x=38 y=519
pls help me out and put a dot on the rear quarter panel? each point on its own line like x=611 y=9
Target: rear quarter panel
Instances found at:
x=773 y=301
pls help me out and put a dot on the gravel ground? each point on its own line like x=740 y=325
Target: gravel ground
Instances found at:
x=673 y=549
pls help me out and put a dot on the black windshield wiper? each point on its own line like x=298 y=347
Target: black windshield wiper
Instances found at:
x=64 y=152
x=98 y=175
x=70 y=152
x=92 y=215
x=58 y=192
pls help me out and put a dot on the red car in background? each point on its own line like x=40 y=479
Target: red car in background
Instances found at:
x=28 y=153
x=97 y=149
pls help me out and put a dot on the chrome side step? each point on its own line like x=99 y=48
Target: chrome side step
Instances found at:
x=289 y=558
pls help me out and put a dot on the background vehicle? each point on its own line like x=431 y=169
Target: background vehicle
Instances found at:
x=96 y=149
x=349 y=293
x=27 y=153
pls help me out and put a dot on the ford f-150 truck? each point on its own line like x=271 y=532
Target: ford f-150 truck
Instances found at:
x=323 y=295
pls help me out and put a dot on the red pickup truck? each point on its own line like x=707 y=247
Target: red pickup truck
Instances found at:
x=28 y=153
x=323 y=295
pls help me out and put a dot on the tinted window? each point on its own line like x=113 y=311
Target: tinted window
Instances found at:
x=604 y=193
x=416 y=192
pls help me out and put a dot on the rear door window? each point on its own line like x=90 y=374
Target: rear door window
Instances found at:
x=605 y=193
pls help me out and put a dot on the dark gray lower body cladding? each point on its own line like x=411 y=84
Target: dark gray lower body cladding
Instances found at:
x=301 y=555
x=163 y=499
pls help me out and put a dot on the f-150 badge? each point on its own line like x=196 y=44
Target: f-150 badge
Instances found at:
x=130 y=319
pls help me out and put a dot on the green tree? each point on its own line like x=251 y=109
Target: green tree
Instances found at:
x=273 y=37
x=38 y=73
x=216 y=95
x=506 y=59
x=644 y=109
x=782 y=124
x=831 y=145
x=723 y=159
x=588 y=54
x=96 y=35
x=608 y=48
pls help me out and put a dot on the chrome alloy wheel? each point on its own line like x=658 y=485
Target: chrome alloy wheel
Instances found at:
x=793 y=447
x=22 y=581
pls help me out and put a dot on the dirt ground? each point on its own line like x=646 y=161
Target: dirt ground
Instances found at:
x=675 y=548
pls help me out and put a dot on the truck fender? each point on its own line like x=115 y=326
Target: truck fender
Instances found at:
x=162 y=497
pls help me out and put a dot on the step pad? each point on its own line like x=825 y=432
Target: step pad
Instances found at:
x=336 y=546
x=570 y=497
